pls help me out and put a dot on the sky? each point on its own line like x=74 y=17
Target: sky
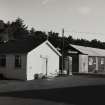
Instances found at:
x=79 y=18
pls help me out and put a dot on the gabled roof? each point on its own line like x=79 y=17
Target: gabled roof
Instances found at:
x=22 y=46
x=53 y=48
x=89 y=50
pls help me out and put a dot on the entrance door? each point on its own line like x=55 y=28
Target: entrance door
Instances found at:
x=68 y=64
x=83 y=63
x=44 y=65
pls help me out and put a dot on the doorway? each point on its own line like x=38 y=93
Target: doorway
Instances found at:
x=68 y=65
x=44 y=65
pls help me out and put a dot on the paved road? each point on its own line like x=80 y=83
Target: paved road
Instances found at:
x=60 y=82
x=75 y=90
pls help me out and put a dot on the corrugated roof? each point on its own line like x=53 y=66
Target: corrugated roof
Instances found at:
x=89 y=50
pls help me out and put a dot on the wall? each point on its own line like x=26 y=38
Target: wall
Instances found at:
x=92 y=64
x=83 y=63
x=35 y=61
x=101 y=64
x=10 y=71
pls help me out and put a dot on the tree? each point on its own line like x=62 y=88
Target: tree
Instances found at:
x=19 y=29
x=54 y=38
x=3 y=31
x=94 y=43
x=70 y=39
x=32 y=31
x=39 y=36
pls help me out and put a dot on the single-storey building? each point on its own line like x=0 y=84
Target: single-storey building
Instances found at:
x=85 y=59
x=23 y=59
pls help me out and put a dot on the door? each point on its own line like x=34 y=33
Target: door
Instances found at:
x=75 y=64
x=83 y=63
x=68 y=65
x=44 y=65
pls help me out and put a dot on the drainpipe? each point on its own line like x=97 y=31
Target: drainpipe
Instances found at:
x=46 y=66
x=96 y=63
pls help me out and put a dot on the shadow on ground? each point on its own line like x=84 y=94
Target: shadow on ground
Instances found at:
x=85 y=95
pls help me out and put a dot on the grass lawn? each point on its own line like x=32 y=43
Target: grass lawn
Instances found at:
x=72 y=90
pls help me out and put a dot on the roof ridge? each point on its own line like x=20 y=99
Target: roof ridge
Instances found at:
x=89 y=50
x=87 y=46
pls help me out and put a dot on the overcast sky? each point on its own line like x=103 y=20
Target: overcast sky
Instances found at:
x=75 y=16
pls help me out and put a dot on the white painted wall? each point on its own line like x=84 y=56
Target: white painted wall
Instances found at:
x=34 y=61
x=83 y=63
x=10 y=71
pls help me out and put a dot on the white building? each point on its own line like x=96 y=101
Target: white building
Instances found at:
x=22 y=59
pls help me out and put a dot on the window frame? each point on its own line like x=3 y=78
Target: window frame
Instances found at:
x=3 y=60
x=18 y=62
x=102 y=61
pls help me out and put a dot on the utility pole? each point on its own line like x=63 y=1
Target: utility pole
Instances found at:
x=62 y=50
x=47 y=36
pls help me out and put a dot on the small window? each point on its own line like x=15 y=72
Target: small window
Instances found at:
x=90 y=61
x=17 y=61
x=102 y=61
x=2 y=60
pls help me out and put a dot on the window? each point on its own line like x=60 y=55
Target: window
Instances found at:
x=90 y=61
x=2 y=60
x=17 y=61
x=102 y=61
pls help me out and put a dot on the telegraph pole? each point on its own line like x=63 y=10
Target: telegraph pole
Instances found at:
x=62 y=50
x=47 y=37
